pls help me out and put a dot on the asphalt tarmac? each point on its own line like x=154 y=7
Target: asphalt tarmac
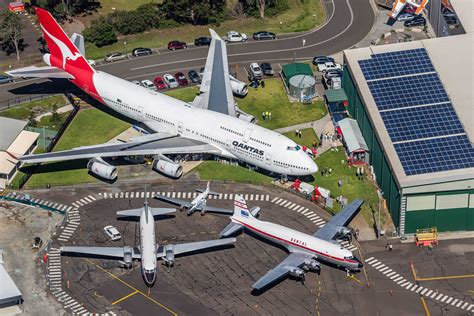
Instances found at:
x=348 y=23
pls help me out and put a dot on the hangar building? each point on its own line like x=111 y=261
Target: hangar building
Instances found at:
x=414 y=105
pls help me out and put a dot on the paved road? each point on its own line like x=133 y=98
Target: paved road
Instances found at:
x=348 y=22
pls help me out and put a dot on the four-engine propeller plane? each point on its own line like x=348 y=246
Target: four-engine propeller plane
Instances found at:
x=307 y=252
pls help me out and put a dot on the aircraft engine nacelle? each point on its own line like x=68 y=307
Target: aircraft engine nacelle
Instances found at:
x=312 y=265
x=297 y=272
x=238 y=87
x=102 y=169
x=170 y=169
x=47 y=59
x=169 y=255
x=127 y=257
x=245 y=116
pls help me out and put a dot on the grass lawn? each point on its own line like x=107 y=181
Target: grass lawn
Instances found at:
x=126 y=5
x=90 y=126
x=352 y=188
x=184 y=94
x=307 y=137
x=273 y=98
x=47 y=123
x=213 y=170
x=302 y=16
x=23 y=111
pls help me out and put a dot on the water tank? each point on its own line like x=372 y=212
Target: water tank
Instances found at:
x=302 y=87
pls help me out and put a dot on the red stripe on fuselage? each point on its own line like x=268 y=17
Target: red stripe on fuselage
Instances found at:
x=295 y=244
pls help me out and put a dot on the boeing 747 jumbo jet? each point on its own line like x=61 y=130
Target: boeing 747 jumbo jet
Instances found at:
x=306 y=251
x=211 y=124
x=149 y=251
x=199 y=203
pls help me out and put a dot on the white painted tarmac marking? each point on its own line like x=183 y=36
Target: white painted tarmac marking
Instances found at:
x=274 y=199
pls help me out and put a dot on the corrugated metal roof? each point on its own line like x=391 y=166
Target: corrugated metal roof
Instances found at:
x=352 y=135
x=336 y=95
x=9 y=292
x=9 y=130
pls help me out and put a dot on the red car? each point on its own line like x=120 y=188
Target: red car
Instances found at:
x=159 y=83
x=181 y=79
x=174 y=45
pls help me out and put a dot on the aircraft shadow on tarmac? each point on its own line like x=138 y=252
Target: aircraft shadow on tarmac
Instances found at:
x=51 y=86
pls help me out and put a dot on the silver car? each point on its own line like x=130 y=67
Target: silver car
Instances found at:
x=114 y=57
x=170 y=81
x=255 y=71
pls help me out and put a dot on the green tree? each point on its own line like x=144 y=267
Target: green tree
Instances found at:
x=194 y=11
x=262 y=8
x=100 y=33
x=10 y=30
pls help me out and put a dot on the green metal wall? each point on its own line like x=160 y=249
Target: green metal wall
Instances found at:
x=383 y=174
x=456 y=219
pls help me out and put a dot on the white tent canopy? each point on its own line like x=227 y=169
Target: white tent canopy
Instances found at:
x=352 y=135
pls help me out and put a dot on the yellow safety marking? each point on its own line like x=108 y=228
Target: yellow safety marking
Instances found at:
x=351 y=276
x=124 y=298
x=133 y=288
x=446 y=277
x=425 y=306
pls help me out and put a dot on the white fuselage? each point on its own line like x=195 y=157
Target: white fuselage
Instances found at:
x=148 y=246
x=296 y=241
x=198 y=200
x=233 y=137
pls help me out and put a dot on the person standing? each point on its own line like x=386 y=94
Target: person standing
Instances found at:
x=270 y=115
x=300 y=133
x=263 y=115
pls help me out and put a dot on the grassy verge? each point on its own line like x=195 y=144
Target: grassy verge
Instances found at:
x=308 y=136
x=23 y=111
x=47 y=122
x=352 y=187
x=303 y=15
x=89 y=127
x=213 y=170
x=273 y=98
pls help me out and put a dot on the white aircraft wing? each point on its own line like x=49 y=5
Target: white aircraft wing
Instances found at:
x=110 y=252
x=293 y=261
x=216 y=91
x=187 y=248
x=40 y=72
x=332 y=228
x=152 y=144
x=174 y=201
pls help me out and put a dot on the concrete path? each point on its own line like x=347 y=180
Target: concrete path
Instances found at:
x=64 y=109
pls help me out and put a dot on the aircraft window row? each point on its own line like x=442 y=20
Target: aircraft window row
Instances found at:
x=156 y=118
x=231 y=131
x=260 y=142
x=213 y=139
x=287 y=165
x=350 y=257
x=299 y=242
x=119 y=103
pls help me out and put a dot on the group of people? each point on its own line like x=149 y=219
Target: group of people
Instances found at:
x=298 y=133
x=267 y=115
x=255 y=83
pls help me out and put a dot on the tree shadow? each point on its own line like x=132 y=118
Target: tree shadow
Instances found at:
x=8 y=47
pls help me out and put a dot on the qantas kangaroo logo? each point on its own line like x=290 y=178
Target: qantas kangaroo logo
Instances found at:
x=65 y=51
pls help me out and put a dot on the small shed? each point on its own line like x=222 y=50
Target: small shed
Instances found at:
x=336 y=96
x=353 y=141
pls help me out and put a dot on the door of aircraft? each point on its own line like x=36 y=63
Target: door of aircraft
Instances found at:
x=180 y=127
x=268 y=159
x=247 y=134
x=140 y=111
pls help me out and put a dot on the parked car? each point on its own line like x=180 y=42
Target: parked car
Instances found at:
x=416 y=21
x=333 y=73
x=174 y=45
x=148 y=84
x=193 y=76
x=255 y=71
x=263 y=35
x=112 y=232
x=322 y=60
x=202 y=41
x=114 y=57
x=182 y=81
x=234 y=36
x=170 y=81
x=267 y=69
x=5 y=79
x=136 y=82
x=91 y=62
x=140 y=51
x=159 y=83
x=405 y=17
x=323 y=67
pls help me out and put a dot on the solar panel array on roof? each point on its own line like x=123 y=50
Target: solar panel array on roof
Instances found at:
x=436 y=154
x=420 y=120
x=398 y=63
x=408 y=91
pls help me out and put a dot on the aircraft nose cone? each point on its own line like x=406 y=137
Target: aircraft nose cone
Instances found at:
x=311 y=165
x=150 y=277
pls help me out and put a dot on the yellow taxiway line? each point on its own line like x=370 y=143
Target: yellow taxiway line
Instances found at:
x=124 y=298
x=133 y=288
x=424 y=305
x=446 y=277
